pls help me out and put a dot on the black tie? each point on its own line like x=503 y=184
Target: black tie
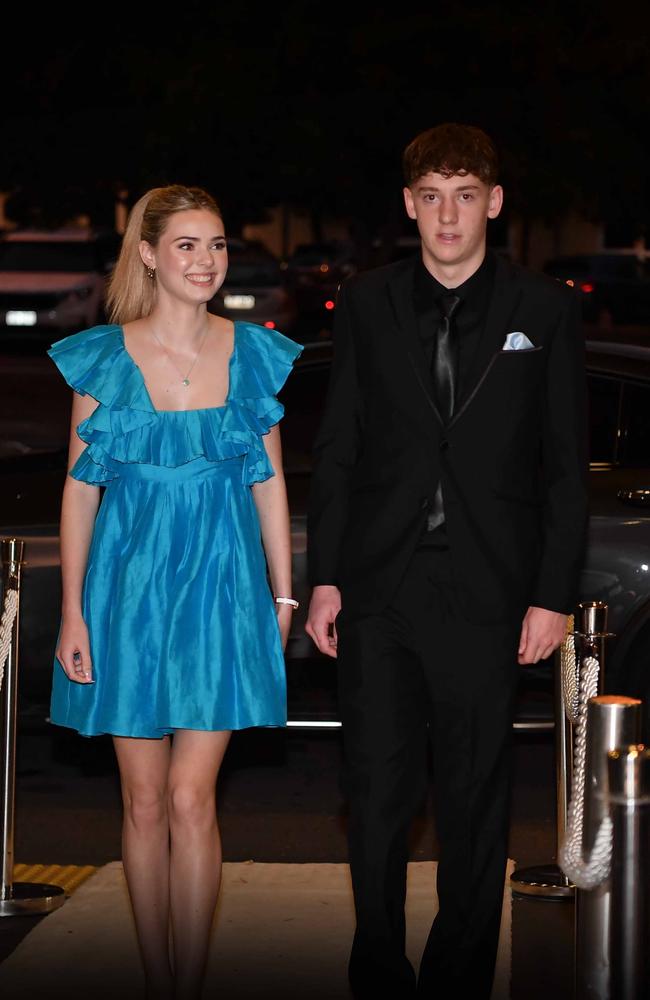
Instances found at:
x=443 y=370
x=444 y=357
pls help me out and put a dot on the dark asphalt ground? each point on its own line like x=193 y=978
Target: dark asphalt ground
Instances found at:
x=278 y=800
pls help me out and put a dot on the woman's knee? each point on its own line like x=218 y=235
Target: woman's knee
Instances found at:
x=145 y=806
x=191 y=805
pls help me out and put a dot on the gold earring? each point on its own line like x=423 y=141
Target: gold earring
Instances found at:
x=151 y=272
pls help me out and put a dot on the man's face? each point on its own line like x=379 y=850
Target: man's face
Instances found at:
x=452 y=213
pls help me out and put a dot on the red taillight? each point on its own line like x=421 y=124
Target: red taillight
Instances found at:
x=270 y=325
x=329 y=304
x=586 y=287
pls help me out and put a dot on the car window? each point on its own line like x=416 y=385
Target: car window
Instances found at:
x=635 y=437
x=253 y=273
x=569 y=267
x=313 y=252
x=604 y=405
x=47 y=256
x=625 y=267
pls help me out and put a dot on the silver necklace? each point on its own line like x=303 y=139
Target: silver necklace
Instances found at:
x=185 y=379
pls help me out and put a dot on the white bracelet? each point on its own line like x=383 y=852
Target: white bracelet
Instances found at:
x=287 y=600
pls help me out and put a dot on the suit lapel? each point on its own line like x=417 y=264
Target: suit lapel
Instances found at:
x=504 y=300
x=400 y=295
x=505 y=297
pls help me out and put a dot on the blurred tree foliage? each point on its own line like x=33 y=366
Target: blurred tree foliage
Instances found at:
x=311 y=104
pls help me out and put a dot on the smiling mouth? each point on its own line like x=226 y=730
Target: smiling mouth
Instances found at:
x=200 y=279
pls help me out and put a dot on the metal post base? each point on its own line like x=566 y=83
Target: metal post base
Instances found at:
x=543 y=882
x=32 y=898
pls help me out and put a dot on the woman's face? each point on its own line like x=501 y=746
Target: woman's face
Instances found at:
x=190 y=258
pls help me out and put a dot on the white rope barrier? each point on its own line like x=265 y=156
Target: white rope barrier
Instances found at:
x=585 y=873
x=569 y=675
x=9 y=612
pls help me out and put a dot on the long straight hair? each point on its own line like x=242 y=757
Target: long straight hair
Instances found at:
x=131 y=292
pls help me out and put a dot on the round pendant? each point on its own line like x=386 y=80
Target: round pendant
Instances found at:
x=186 y=381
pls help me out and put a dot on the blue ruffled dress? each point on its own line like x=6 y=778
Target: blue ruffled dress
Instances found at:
x=182 y=623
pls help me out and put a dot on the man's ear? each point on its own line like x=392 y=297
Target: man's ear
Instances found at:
x=495 y=201
x=409 y=203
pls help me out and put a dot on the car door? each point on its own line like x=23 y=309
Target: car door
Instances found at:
x=617 y=564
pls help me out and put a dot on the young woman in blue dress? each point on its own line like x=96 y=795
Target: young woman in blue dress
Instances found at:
x=177 y=585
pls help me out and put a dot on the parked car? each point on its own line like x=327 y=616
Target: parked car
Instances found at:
x=255 y=289
x=616 y=570
x=315 y=271
x=54 y=279
x=321 y=265
x=614 y=287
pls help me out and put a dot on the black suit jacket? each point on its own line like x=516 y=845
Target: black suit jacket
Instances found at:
x=512 y=460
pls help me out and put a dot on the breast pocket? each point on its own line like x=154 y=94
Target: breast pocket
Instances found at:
x=520 y=368
x=516 y=386
x=523 y=352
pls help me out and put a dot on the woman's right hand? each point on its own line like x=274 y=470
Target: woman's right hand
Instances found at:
x=73 y=650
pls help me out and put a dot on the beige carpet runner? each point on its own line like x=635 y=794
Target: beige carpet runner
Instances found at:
x=281 y=930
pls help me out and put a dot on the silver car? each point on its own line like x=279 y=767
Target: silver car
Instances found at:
x=54 y=279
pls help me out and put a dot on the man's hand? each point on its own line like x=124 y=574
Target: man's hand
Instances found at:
x=541 y=634
x=324 y=606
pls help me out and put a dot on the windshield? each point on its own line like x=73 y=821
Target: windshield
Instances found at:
x=314 y=253
x=253 y=273
x=47 y=256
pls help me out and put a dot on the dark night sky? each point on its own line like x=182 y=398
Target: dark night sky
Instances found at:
x=312 y=103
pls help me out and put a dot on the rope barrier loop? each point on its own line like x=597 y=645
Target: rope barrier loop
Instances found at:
x=585 y=873
x=9 y=612
x=569 y=674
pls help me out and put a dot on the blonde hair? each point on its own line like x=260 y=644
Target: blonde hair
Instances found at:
x=131 y=292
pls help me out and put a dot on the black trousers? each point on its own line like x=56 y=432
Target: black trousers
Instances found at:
x=420 y=672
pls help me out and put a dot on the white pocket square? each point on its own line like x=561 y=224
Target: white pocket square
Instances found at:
x=517 y=341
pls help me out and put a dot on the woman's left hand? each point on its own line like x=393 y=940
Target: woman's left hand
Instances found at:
x=285 y=616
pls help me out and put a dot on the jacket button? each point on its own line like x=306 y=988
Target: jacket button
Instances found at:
x=444 y=444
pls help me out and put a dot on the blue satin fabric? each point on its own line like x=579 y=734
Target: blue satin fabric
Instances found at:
x=182 y=623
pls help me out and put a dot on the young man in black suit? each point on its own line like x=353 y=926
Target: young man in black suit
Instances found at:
x=446 y=532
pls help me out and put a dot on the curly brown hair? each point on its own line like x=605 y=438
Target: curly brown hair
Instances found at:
x=451 y=149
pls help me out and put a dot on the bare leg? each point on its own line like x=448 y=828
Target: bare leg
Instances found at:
x=144 y=767
x=195 y=870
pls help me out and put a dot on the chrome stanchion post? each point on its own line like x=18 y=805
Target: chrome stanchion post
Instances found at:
x=15 y=897
x=590 y=637
x=612 y=721
x=629 y=797
x=549 y=881
x=563 y=777
x=12 y=560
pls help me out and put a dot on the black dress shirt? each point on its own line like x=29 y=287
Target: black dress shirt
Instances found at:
x=469 y=321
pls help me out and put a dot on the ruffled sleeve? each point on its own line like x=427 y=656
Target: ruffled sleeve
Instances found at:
x=265 y=358
x=94 y=362
x=263 y=361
